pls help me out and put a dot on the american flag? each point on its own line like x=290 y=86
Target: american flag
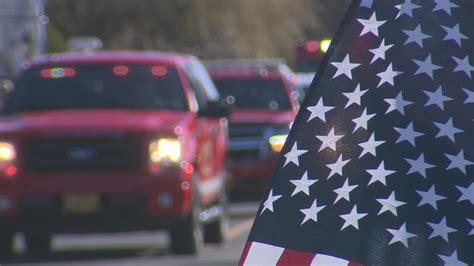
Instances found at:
x=378 y=168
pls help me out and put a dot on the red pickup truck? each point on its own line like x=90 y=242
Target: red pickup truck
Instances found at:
x=265 y=103
x=113 y=141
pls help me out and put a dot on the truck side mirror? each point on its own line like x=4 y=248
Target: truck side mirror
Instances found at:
x=6 y=86
x=215 y=109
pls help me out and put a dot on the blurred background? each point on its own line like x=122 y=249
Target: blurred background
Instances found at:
x=297 y=32
x=206 y=28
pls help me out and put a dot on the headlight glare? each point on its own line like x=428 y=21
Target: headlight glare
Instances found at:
x=7 y=152
x=165 y=149
x=277 y=142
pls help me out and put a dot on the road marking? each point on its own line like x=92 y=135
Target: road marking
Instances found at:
x=240 y=228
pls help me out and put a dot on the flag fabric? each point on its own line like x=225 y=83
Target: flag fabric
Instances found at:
x=378 y=168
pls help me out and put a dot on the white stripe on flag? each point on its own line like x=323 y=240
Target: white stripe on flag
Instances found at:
x=321 y=259
x=262 y=254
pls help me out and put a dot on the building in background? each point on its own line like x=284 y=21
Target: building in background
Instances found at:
x=23 y=33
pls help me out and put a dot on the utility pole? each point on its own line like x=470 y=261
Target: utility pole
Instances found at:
x=23 y=33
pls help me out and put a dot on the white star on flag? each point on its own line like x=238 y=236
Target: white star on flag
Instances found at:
x=436 y=98
x=302 y=185
x=454 y=34
x=380 y=51
x=380 y=174
x=406 y=8
x=471 y=221
x=467 y=193
x=397 y=103
x=355 y=96
x=408 y=134
x=362 y=121
x=444 y=5
x=458 y=161
x=463 y=65
x=319 y=110
x=352 y=218
x=388 y=76
x=329 y=140
x=419 y=165
x=336 y=168
x=292 y=156
x=426 y=67
x=345 y=67
x=429 y=197
x=452 y=260
x=390 y=204
x=470 y=96
x=366 y=3
x=371 y=25
x=344 y=191
x=400 y=235
x=268 y=204
x=447 y=129
x=416 y=36
x=370 y=145
x=312 y=212
x=441 y=229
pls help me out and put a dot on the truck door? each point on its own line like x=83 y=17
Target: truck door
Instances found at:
x=211 y=145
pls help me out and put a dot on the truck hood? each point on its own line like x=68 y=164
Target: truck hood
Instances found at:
x=99 y=119
x=261 y=116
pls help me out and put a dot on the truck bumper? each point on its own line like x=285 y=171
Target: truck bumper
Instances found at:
x=115 y=213
x=251 y=175
x=94 y=202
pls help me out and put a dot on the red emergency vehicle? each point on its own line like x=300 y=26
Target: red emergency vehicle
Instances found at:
x=265 y=104
x=113 y=141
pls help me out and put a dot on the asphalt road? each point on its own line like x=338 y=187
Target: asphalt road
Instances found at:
x=142 y=248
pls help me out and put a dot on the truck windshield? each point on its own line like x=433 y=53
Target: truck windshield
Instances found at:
x=97 y=86
x=254 y=93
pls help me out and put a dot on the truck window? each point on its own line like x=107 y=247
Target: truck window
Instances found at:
x=97 y=86
x=254 y=93
x=205 y=81
x=196 y=87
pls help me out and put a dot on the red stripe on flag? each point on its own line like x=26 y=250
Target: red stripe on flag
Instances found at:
x=245 y=252
x=293 y=257
x=265 y=254
x=354 y=264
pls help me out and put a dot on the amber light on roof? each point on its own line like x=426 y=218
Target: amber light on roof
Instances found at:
x=324 y=46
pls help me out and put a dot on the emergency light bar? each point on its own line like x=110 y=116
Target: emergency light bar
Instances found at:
x=57 y=72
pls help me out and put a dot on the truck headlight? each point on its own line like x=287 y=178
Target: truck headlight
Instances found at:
x=165 y=149
x=277 y=142
x=7 y=152
x=8 y=166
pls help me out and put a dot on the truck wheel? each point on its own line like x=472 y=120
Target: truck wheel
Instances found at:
x=38 y=244
x=215 y=231
x=6 y=245
x=186 y=234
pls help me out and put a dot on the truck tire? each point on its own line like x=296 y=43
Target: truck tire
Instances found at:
x=216 y=231
x=37 y=244
x=186 y=234
x=6 y=245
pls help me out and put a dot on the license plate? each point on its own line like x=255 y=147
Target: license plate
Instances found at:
x=81 y=203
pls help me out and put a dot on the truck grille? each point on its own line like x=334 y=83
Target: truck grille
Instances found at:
x=241 y=154
x=247 y=130
x=82 y=154
x=247 y=141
